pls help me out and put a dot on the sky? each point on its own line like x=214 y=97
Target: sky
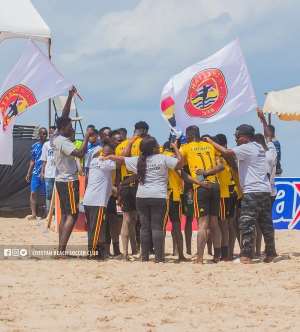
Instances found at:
x=120 y=53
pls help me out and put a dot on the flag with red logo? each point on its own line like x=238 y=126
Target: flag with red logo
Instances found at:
x=32 y=80
x=210 y=90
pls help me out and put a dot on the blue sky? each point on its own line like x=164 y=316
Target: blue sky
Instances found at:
x=120 y=54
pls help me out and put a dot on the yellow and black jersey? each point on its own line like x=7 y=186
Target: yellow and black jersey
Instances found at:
x=135 y=152
x=225 y=178
x=237 y=187
x=175 y=183
x=200 y=156
x=119 y=152
x=135 y=148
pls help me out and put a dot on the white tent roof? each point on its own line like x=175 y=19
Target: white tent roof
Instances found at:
x=19 y=19
x=284 y=103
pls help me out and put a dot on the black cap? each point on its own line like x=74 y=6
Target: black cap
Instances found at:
x=245 y=130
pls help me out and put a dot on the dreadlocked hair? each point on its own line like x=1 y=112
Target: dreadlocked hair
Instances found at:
x=147 y=147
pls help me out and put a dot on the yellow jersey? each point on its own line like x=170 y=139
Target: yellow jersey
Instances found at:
x=135 y=151
x=237 y=186
x=135 y=148
x=225 y=179
x=175 y=183
x=200 y=155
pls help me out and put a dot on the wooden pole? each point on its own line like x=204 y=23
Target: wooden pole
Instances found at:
x=51 y=209
x=49 y=101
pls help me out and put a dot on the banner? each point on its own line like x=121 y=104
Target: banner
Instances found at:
x=32 y=80
x=286 y=208
x=209 y=90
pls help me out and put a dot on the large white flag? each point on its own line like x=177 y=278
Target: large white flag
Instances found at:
x=209 y=90
x=32 y=80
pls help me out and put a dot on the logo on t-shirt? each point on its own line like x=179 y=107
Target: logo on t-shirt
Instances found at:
x=14 y=101
x=207 y=93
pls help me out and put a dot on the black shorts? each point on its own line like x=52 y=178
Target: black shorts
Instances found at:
x=68 y=193
x=175 y=210
x=227 y=206
x=112 y=205
x=128 y=197
x=207 y=201
x=96 y=222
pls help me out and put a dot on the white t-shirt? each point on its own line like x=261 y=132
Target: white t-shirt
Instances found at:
x=89 y=155
x=252 y=168
x=156 y=180
x=99 y=186
x=48 y=156
x=271 y=161
x=66 y=166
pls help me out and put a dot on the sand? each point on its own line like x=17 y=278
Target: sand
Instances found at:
x=84 y=295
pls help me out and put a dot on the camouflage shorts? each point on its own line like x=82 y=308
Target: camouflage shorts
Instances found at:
x=256 y=208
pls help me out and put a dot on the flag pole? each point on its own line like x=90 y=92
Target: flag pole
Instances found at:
x=49 y=101
x=269 y=114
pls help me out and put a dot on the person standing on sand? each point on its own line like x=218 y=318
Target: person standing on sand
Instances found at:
x=152 y=168
x=66 y=178
x=96 y=197
x=48 y=168
x=128 y=187
x=175 y=190
x=37 y=184
x=256 y=200
x=203 y=165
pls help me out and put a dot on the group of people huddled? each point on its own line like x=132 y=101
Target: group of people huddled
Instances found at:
x=229 y=191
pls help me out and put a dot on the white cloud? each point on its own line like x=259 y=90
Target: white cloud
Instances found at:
x=156 y=25
x=135 y=51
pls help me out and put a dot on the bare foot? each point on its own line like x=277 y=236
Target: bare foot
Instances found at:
x=198 y=260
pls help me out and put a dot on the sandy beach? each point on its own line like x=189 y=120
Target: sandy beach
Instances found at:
x=82 y=295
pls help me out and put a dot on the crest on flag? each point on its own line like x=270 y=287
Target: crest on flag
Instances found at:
x=14 y=101
x=206 y=94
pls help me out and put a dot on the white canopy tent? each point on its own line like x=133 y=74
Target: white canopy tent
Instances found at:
x=284 y=103
x=20 y=19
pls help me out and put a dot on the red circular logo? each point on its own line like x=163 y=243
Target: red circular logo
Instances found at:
x=14 y=101
x=207 y=94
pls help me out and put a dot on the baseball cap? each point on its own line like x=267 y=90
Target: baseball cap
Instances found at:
x=245 y=130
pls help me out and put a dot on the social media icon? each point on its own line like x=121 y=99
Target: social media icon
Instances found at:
x=23 y=252
x=15 y=252
x=7 y=252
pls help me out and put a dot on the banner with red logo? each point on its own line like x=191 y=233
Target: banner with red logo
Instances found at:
x=32 y=80
x=209 y=90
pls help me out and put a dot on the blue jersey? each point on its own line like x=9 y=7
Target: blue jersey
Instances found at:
x=36 y=152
